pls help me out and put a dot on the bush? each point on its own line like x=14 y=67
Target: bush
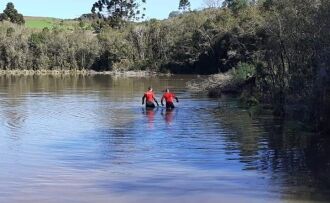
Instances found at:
x=243 y=71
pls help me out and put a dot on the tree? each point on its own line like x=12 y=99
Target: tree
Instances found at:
x=236 y=5
x=267 y=4
x=118 y=12
x=213 y=3
x=184 y=5
x=12 y=15
x=174 y=14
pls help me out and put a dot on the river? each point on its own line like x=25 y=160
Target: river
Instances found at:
x=88 y=139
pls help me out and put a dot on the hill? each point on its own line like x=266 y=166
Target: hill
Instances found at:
x=43 y=22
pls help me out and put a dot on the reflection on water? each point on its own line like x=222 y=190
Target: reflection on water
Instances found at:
x=168 y=115
x=88 y=139
x=150 y=114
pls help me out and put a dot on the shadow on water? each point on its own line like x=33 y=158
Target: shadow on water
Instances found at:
x=297 y=160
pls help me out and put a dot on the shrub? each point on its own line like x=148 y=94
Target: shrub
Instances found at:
x=243 y=71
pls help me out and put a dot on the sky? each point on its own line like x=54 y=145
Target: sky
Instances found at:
x=74 y=8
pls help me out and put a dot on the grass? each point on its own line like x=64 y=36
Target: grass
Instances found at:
x=46 y=22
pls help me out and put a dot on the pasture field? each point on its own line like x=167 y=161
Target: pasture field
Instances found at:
x=47 y=22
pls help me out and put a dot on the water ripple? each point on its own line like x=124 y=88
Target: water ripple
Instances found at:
x=90 y=140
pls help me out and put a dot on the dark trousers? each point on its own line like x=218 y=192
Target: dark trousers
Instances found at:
x=150 y=105
x=170 y=105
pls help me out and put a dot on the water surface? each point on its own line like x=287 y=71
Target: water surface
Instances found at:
x=88 y=139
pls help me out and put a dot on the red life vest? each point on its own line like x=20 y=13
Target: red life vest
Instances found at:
x=169 y=97
x=149 y=96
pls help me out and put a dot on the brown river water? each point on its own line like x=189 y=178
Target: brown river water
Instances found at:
x=67 y=139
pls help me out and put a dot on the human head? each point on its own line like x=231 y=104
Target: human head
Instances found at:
x=150 y=88
x=167 y=90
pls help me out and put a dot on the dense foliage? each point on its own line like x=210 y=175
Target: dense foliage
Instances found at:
x=184 y=5
x=12 y=15
x=117 y=12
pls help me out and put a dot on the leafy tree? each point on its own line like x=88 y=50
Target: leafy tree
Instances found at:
x=12 y=15
x=118 y=12
x=184 y=5
x=236 y=5
x=174 y=14
x=87 y=16
x=267 y=4
x=213 y=3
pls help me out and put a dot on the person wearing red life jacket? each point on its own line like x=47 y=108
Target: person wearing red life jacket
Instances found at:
x=149 y=97
x=169 y=97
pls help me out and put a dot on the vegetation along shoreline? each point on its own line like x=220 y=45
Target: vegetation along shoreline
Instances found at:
x=136 y=73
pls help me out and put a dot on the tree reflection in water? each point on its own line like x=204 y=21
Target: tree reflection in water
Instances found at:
x=296 y=159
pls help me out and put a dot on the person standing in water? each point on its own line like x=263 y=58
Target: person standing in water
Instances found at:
x=149 y=96
x=169 y=97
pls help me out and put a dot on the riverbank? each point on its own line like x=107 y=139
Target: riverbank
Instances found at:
x=79 y=72
x=218 y=84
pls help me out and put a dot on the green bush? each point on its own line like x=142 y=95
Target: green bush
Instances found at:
x=243 y=71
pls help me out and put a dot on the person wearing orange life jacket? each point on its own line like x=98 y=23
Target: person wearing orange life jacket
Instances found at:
x=149 y=96
x=169 y=97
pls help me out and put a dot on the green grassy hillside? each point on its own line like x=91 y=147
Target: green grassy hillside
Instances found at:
x=42 y=22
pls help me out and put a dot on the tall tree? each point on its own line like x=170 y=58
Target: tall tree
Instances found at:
x=236 y=5
x=213 y=3
x=118 y=12
x=184 y=5
x=267 y=4
x=12 y=15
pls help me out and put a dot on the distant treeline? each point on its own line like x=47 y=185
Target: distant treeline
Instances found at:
x=286 y=41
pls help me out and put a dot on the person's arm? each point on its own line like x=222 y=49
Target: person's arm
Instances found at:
x=161 y=101
x=144 y=96
x=156 y=100
x=153 y=96
x=175 y=97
